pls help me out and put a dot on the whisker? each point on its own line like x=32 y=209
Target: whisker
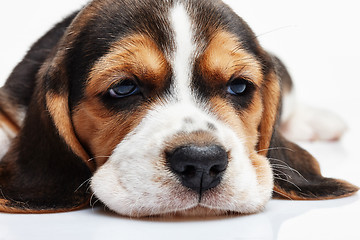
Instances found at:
x=276 y=148
x=91 y=199
x=90 y=159
x=288 y=181
x=287 y=166
x=2 y=194
x=282 y=194
x=279 y=166
x=92 y=207
x=274 y=30
x=82 y=184
x=281 y=172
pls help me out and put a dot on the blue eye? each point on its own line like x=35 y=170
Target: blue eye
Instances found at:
x=237 y=86
x=124 y=89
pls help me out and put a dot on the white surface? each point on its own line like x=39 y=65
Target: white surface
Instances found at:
x=318 y=41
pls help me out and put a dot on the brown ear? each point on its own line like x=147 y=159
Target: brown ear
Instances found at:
x=46 y=169
x=297 y=174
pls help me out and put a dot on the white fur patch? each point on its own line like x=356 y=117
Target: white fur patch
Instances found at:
x=184 y=54
x=136 y=179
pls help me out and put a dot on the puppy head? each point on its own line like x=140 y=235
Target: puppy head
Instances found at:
x=171 y=104
x=173 y=124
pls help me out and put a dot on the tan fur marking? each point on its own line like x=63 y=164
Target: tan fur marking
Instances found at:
x=8 y=125
x=59 y=110
x=263 y=170
x=13 y=112
x=244 y=123
x=291 y=195
x=100 y=130
x=224 y=57
x=136 y=55
x=8 y=209
x=270 y=96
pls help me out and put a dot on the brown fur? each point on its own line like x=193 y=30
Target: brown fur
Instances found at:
x=271 y=104
x=59 y=110
x=224 y=57
x=242 y=123
x=8 y=124
x=136 y=55
x=8 y=207
x=101 y=131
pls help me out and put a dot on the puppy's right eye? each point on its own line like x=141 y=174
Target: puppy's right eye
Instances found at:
x=124 y=89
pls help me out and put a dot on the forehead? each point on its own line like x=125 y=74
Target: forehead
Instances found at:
x=114 y=19
x=104 y=25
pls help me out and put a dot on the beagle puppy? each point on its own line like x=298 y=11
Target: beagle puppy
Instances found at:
x=153 y=107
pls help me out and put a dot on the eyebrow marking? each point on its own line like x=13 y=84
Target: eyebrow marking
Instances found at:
x=225 y=56
x=136 y=55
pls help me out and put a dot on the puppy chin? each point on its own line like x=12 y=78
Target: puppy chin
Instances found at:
x=198 y=212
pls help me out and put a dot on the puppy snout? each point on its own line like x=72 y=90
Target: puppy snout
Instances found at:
x=199 y=167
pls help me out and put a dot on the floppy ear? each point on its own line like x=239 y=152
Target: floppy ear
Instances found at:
x=296 y=172
x=46 y=168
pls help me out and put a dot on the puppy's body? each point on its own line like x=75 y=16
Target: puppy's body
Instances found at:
x=165 y=106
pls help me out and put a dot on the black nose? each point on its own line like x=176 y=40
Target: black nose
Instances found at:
x=199 y=167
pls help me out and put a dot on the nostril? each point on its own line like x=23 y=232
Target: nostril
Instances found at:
x=217 y=169
x=188 y=172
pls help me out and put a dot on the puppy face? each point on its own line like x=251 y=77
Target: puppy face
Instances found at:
x=170 y=111
x=163 y=107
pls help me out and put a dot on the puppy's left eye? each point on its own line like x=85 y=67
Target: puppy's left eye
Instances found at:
x=238 y=86
x=124 y=89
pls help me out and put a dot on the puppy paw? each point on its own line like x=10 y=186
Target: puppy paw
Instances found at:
x=311 y=124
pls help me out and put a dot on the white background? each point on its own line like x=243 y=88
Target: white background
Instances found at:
x=320 y=43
